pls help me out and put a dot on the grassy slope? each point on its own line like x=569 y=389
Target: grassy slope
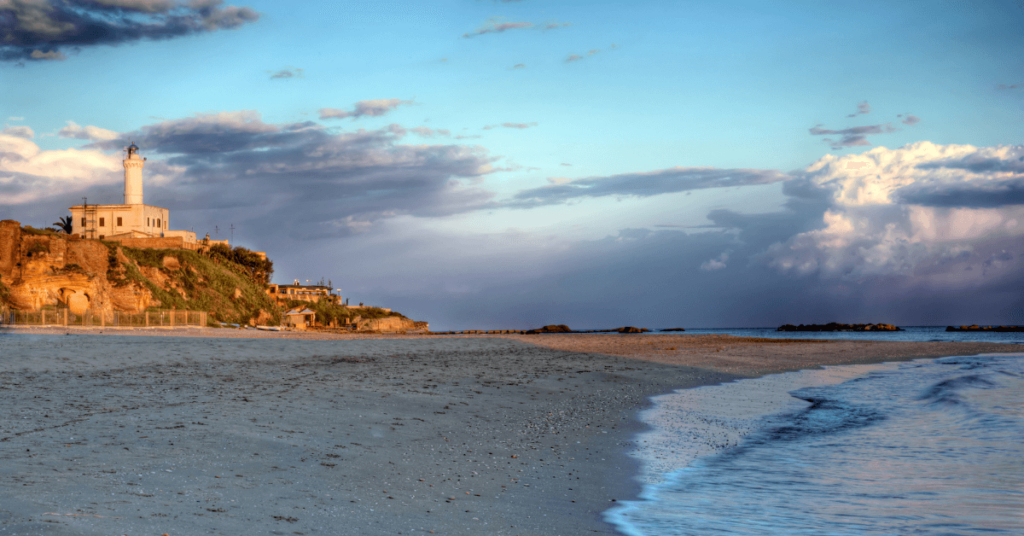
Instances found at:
x=208 y=283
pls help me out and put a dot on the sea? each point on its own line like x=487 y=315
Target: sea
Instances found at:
x=923 y=447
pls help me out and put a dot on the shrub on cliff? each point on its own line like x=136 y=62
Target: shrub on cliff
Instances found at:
x=257 y=268
x=199 y=283
x=326 y=312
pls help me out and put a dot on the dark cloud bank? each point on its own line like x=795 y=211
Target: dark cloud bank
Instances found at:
x=46 y=30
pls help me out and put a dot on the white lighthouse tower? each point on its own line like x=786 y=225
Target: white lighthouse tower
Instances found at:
x=133 y=176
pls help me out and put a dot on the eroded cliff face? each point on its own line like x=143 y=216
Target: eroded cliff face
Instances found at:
x=41 y=270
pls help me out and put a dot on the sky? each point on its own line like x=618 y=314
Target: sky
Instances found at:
x=508 y=164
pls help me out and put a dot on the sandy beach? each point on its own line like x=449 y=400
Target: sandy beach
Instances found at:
x=221 y=431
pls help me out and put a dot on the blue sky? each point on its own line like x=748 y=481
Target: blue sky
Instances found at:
x=506 y=142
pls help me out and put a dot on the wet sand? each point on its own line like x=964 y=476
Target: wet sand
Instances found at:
x=218 y=431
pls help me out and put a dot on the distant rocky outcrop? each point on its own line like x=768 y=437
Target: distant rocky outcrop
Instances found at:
x=835 y=326
x=553 y=328
x=392 y=324
x=997 y=329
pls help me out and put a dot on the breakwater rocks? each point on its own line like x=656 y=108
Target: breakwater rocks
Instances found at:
x=672 y=329
x=553 y=328
x=997 y=329
x=834 y=326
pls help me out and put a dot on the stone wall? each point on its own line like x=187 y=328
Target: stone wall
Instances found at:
x=166 y=242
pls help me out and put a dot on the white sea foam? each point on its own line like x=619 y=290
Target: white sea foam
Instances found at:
x=690 y=423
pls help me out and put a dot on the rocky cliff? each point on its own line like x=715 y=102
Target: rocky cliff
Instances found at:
x=44 y=269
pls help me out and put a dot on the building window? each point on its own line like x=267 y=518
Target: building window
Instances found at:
x=101 y=222
x=147 y=222
x=158 y=222
x=119 y=221
x=83 y=222
x=101 y=237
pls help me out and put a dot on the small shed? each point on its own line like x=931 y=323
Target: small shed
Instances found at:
x=300 y=318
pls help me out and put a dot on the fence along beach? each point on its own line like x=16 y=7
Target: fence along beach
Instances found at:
x=64 y=317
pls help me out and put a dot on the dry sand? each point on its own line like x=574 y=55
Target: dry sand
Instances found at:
x=218 y=431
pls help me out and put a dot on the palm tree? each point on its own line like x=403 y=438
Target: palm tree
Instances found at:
x=64 y=224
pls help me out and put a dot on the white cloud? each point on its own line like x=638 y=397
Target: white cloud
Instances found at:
x=715 y=264
x=890 y=210
x=89 y=132
x=28 y=173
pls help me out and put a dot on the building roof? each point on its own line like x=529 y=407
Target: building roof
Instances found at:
x=304 y=311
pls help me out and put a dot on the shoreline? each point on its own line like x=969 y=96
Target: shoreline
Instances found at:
x=567 y=412
x=689 y=425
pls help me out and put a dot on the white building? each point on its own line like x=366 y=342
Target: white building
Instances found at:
x=133 y=219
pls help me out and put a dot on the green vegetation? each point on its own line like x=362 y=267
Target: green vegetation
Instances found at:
x=63 y=224
x=38 y=247
x=28 y=229
x=200 y=283
x=70 y=269
x=258 y=268
x=327 y=311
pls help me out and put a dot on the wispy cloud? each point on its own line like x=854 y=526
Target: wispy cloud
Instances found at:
x=853 y=136
x=519 y=66
x=909 y=119
x=368 y=108
x=40 y=30
x=862 y=108
x=286 y=73
x=642 y=184
x=511 y=125
x=576 y=57
x=495 y=26
x=499 y=25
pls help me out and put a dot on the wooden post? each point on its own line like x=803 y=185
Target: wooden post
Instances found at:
x=65 y=318
x=172 y=317
x=147 y=319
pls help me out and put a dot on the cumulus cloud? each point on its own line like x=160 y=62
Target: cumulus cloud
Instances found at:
x=862 y=108
x=28 y=173
x=286 y=73
x=905 y=211
x=366 y=108
x=40 y=30
x=643 y=184
x=20 y=131
x=89 y=132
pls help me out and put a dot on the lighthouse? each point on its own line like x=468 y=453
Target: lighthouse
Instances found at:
x=133 y=176
x=133 y=220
